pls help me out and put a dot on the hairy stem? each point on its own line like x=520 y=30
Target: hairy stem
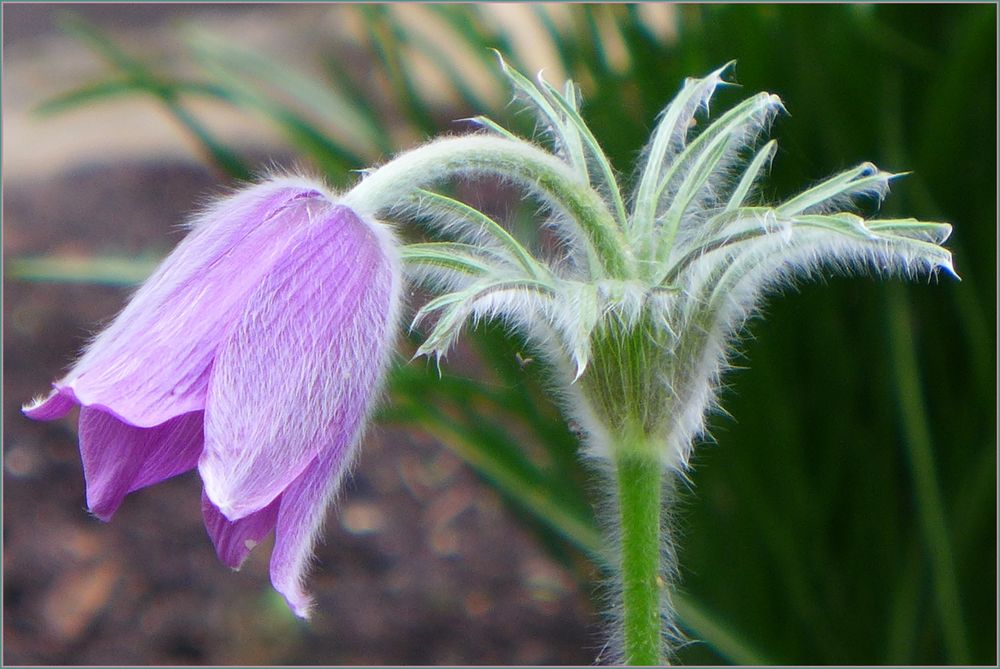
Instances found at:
x=388 y=186
x=639 y=486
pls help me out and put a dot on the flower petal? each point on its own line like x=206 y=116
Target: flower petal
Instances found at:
x=119 y=458
x=56 y=405
x=300 y=519
x=153 y=362
x=234 y=540
x=301 y=367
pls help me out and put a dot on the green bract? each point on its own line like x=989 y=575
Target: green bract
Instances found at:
x=635 y=302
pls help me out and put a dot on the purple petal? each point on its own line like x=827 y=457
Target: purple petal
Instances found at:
x=300 y=519
x=56 y=405
x=301 y=367
x=234 y=540
x=153 y=362
x=119 y=458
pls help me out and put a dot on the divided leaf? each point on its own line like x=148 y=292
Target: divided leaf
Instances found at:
x=670 y=135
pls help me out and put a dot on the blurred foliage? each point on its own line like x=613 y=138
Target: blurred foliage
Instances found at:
x=845 y=510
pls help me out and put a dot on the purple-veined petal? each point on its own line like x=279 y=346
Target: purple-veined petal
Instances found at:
x=119 y=458
x=300 y=519
x=303 y=363
x=234 y=540
x=154 y=361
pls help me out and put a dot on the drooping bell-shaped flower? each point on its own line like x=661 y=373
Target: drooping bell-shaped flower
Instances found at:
x=253 y=353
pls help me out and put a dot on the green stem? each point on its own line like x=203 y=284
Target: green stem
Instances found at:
x=639 y=487
x=385 y=189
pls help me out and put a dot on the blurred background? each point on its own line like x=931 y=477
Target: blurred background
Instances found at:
x=844 y=511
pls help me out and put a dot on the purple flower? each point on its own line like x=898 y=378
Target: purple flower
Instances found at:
x=254 y=352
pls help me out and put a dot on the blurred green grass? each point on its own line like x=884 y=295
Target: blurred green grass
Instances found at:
x=845 y=510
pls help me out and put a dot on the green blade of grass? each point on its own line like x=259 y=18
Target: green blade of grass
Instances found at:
x=105 y=270
x=332 y=157
x=250 y=72
x=145 y=81
x=468 y=23
x=707 y=628
x=441 y=60
x=927 y=490
x=388 y=45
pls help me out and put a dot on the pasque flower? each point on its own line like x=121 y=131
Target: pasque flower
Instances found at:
x=253 y=353
x=256 y=349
